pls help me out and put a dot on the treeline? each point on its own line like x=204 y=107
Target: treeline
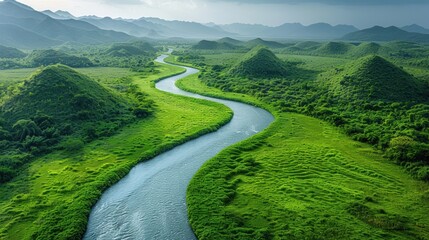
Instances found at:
x=134 y=55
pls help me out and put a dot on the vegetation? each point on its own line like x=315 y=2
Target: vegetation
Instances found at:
x=212 y=45
x=8 y=52
x=302 y=179
x=260 y=62
x=365 y=98
x=48 y=57
x=57 y=102
x=51 y=198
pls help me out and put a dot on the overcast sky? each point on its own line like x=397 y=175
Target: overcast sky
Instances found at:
x=361 y=13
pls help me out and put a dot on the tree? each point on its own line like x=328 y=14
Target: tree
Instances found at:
x=24 y=128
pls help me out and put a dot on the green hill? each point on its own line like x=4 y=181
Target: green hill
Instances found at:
x=260 y=63
x=307 y=45
x=260 y=42
x=373 y=78
x=334 y=48
x=130 y=49
x=8 y=52
x=230 y=41
x=213 y=45
x=64 y=95
x=365 y=49
x=49 y=57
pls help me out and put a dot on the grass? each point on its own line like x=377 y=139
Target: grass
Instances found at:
x=53 y=196
x=303 y=179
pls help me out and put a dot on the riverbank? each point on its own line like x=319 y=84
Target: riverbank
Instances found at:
x=303 y=179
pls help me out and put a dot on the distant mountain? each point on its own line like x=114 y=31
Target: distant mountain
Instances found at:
x=23 y=27
x=291 y=30
x=245 y=30
x=7 y=52
x=415 y=29
x=108 y=23
x=187 y=29
x=314 y=31
x=61 y=15
x=15 y=36
x=378 y=33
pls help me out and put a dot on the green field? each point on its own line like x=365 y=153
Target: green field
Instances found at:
x=303 y=179
x=52 y=196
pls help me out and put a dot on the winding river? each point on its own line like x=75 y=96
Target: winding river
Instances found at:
x=149 y=203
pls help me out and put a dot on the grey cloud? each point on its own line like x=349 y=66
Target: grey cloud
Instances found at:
x=330 y=2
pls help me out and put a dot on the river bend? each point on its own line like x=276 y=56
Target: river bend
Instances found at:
x=150 y=202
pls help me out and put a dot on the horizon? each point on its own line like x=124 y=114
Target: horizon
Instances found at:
x=274 y=13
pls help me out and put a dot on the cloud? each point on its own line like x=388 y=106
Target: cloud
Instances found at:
x=329 y=2
x=123 y=2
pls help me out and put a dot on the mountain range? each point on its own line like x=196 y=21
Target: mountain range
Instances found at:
x=23 y=27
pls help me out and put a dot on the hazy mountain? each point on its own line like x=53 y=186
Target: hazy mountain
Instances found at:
x=187 y=29
x=21 y=38
x=415 y=29
x=378 y=33
x=108 y=23
x=291 y=30
x=24 y=27
x=245 y=30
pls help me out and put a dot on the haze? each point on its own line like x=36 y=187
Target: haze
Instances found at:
x=273 y=12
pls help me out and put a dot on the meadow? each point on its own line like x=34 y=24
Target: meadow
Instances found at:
x=303 y=179
x=52 y=196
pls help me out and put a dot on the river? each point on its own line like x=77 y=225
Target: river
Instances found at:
x=150 y=202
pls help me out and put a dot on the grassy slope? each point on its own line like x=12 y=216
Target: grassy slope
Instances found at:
x=303 y=179
x=54 y=195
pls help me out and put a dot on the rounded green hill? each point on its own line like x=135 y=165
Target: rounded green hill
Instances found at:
x=260 y=63
x=373 y=78
x=65 y=95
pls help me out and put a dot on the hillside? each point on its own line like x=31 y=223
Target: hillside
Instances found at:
x=334 y=48
x=48 y=57
x=7 y=52
x=64 y=95
x=231 y=41
x=367 y=48
x=416 y=29
x=260 y=63
x=14 y=36
x=260 y=42
x=373 y=78
x=130 y=49
x=213 y=45
x=23 y=27
x=378 y=33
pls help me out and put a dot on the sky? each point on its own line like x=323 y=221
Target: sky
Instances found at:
x=361 y=13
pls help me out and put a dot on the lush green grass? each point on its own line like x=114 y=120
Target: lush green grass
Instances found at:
x=303 y=179
x=52 y=197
